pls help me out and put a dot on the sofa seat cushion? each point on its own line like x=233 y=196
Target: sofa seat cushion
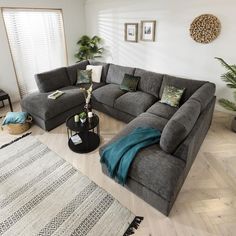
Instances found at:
x=134 y=103
x=158 y=171
x=162 y=110
x=95 y=85
x=107 y=94
x=143 y=120
x=38 y=103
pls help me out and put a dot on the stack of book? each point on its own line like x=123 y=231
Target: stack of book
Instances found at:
x=76 y=139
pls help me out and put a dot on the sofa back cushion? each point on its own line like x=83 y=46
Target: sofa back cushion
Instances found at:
x=116 y=73
x=150 y=82
x=180 y=125
x=52 y=80
x=72 y=70
x=190 y=86
x=105 y=67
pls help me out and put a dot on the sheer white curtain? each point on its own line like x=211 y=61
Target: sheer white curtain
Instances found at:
x=37 y=42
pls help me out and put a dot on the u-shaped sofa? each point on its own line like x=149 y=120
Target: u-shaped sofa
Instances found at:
x=158 y=171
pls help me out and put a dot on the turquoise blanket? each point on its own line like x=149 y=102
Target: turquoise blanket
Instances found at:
x=119 y=155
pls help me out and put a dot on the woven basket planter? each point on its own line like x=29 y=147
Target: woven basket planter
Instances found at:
x=19 y=128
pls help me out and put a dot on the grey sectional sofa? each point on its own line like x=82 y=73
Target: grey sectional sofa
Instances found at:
x=157 y=172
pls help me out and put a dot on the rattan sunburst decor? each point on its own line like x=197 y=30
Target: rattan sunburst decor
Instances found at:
x=205 y=28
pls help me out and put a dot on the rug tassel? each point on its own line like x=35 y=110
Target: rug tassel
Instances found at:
x=133 y=226
x=15 y=140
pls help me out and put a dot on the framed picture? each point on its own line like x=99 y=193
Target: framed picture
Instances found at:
x=148 y=29
x=131 y=32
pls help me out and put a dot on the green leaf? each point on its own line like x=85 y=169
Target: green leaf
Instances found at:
x=227 y=66
x=227 y=104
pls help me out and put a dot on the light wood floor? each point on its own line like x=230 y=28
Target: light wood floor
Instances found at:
x=206 y=204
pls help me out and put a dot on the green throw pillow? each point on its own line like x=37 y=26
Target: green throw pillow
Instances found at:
x=172 y=95
x=84 y=77
x=130 y=83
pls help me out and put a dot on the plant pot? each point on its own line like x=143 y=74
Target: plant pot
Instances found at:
x=233 y=124
x=83 y=120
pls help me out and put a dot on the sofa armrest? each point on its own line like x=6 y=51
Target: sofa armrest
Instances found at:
x=189 y=148
x=204 y=94
x=180 y=125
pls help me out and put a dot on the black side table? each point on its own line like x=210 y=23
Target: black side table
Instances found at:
x=5 y=96
x=86 y=131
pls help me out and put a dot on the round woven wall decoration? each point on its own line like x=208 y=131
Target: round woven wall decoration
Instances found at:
x=205 y=28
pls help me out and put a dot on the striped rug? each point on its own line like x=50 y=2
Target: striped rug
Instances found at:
x=41 y=194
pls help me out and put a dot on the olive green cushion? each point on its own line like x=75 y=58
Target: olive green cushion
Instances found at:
x=130 y=83
x=172 y=95
x=84 y=76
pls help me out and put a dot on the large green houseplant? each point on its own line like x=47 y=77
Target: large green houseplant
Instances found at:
x=230 y=78
x=89 y=48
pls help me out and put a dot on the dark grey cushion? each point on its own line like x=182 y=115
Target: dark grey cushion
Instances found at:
x=52 y=80
x=190 y=86
x=72 y=70
x=105 y=67
x=150 y=82
x=204 y=94
x=180 y=125
x=116 y=73
x=107 y=94
x=38 y=104
x=162 y=110
x=134 y=103
x=157 y=170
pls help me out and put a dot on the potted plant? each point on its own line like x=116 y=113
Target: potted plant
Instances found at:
x=89 y=48
x=230 y=78
x=83 y=117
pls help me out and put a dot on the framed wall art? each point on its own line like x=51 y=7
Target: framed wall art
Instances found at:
x=131 y=32
x=148 y=30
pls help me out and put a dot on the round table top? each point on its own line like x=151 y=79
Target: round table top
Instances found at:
x=79 y=126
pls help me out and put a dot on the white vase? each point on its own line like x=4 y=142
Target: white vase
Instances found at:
x=83 y=120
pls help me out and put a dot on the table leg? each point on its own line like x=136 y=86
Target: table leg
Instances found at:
x=9 y=100
x=2 y=104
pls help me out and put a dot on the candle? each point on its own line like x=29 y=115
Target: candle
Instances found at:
x=76 y=118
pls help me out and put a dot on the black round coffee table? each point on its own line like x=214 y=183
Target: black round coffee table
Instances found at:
x=86 y=131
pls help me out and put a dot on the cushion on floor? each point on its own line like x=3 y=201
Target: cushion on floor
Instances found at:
x=107 y=94
x=38 y=103
x=162 y=110
x=134 y=103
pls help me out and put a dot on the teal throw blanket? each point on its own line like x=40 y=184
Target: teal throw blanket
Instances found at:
x=119 y=155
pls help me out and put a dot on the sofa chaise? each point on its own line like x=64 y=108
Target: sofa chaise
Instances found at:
x=157 y=172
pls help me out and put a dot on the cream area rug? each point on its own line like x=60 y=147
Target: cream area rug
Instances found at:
x=42 y=194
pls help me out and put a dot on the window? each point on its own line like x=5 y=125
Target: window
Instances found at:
x=37 y=43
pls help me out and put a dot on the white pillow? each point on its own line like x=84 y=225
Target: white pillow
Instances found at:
x=96 y=72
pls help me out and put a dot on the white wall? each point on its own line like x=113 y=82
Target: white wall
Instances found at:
x=74 y=24
x=174 y=52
